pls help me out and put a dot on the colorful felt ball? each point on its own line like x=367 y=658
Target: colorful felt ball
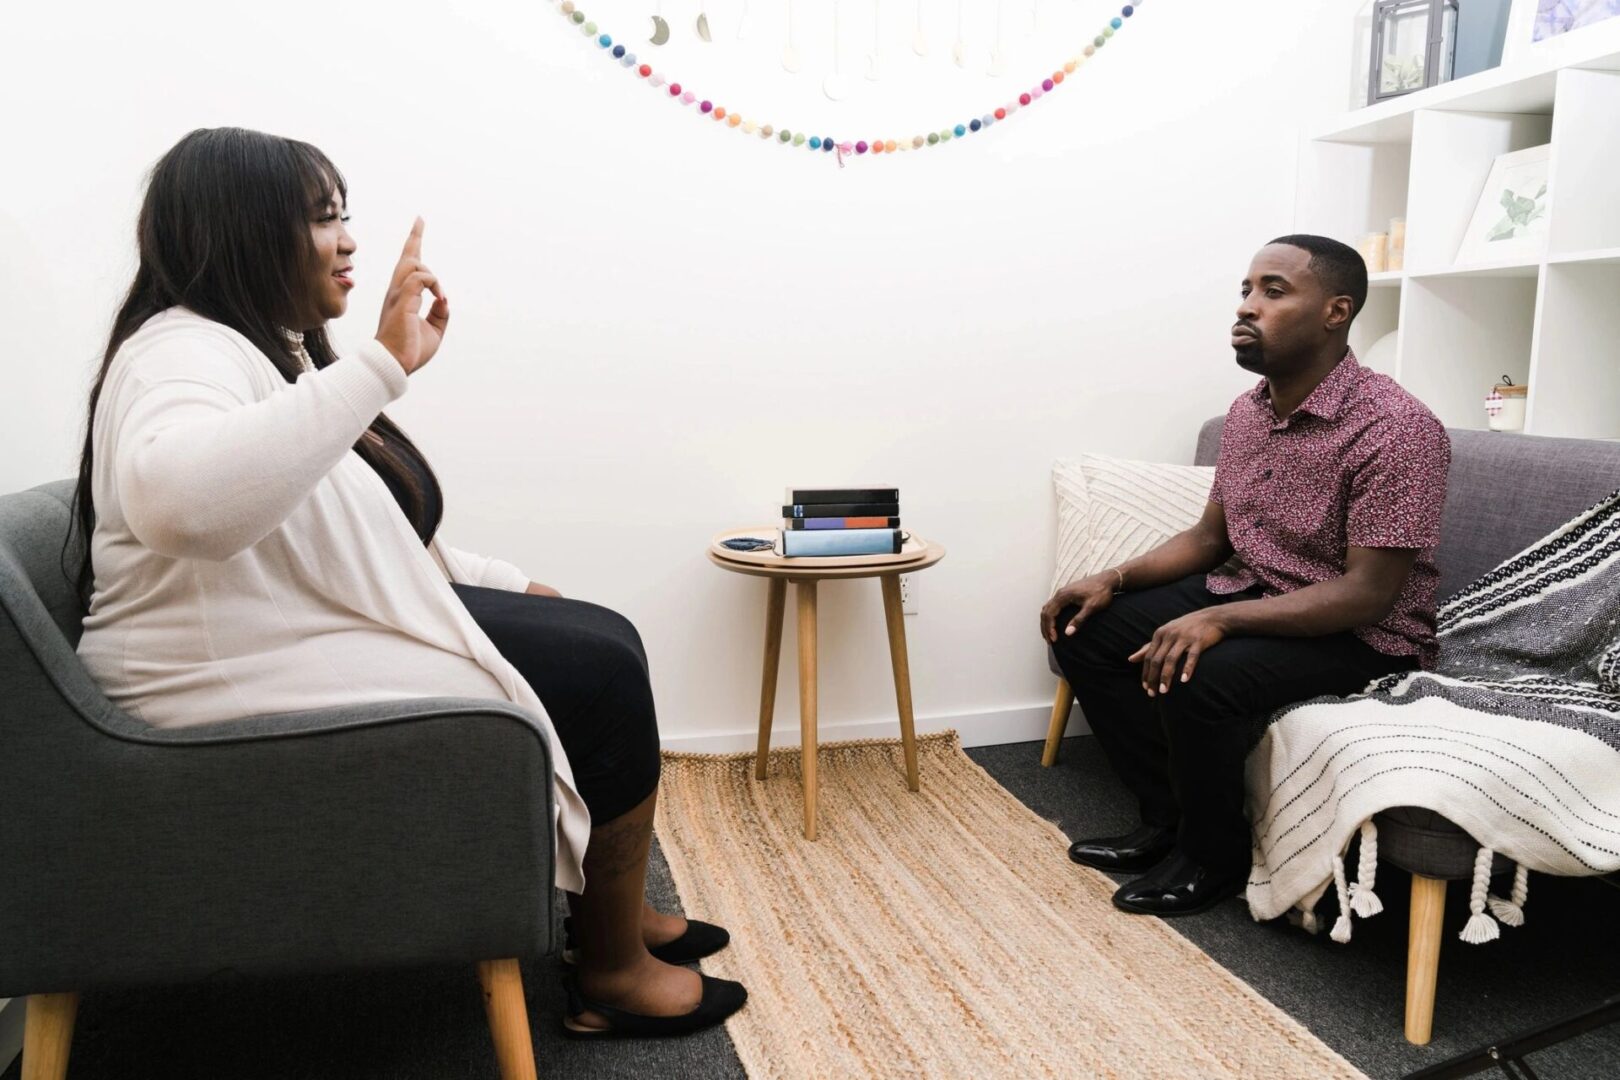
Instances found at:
x=1001 y=114
x=1127 y=11
x=628 y=60
x=974 y=125
x=568 y=7
x=1108 y=31
x=1091 y=50
x=784 y=135
x=916 y=142
x=827 y=144
x=877 y=146
x=1047 y=84
x=960 y=130
x=1116 y=23
x=860 y=147
x=888 y=146
x=933 y=138
x=605 y=41
x=1057 y=76
x=1036 y=94
x=798 y=138
x=1012 y=107
x=719 y=113
x=1070 y=66
x=1023 y=99
x=707 y=106
x=645 y=70
x=618 y=50
x=589 y=29
x=749 y=127
x=815 y=142
x=1099 y=41
x=674 y=89
x=945 y=136
x=687 y=97
x=578 y=16
x=766 y=131
x=987 y=119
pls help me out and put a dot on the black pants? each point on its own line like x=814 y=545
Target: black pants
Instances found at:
x=588 y=667
x=1182 y=753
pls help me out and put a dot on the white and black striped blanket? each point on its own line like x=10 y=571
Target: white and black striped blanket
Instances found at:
x=1515 y=737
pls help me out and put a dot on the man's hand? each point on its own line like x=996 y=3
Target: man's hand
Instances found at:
x=537 y=589
x=1092 y=594
x=1178 y=644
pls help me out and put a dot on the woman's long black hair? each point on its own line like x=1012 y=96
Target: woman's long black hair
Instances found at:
x=224 y=231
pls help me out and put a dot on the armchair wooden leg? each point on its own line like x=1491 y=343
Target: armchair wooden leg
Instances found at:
x=1060 y=720
x=48 y=1035
x=1423 y=956
x=508 y=1018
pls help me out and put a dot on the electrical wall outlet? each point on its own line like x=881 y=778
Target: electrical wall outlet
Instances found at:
x=908 y=595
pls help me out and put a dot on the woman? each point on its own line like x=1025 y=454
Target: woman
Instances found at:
x=243 y=561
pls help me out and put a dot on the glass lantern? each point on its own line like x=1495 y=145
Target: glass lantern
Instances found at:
x=1414 y=45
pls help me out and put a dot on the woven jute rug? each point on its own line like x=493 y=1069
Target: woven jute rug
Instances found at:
x=943 y=933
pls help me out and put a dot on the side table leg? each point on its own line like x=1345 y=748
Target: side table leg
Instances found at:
x=807 y=700
x=774 y=604
x=895 y=617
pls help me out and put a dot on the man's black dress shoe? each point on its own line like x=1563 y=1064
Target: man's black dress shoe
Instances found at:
x=1179 y=886
x=1141 y=849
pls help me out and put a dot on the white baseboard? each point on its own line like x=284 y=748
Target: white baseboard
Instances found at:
x=990 y=728
x=11 y=1030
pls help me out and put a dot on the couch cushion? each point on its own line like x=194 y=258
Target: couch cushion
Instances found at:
x=1111 y=510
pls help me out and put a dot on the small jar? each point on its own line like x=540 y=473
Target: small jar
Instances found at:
x=1504 y=408
x=1396 y=257
x=1373 y=252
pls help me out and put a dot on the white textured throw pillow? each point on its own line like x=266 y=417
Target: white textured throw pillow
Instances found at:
x=1111 y=510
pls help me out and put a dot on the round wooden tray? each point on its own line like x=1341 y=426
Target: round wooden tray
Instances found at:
x=913 y=550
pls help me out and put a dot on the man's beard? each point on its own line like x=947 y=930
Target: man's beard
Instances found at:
x=1251 y=357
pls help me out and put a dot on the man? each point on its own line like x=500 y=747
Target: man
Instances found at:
x=1311 y=572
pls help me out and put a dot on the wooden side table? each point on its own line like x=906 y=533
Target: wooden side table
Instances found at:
x=805 y=576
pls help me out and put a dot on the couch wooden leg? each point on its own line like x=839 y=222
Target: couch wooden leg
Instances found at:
x=1060 y=720
x=48 y=1035
x=508 y=1018
x=1423 y=956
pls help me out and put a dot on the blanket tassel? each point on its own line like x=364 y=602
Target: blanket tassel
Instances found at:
x=1341 y=926
x=1511 y=912
x=1363 y=901
x=1481 y=927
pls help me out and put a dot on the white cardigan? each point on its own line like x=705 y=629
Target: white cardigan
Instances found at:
x=248 y=562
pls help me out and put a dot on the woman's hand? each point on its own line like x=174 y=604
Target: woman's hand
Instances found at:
x=537 y=589
x=1091 y=594
x=403 y=332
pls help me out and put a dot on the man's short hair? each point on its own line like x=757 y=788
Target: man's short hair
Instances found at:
x=1340 y=267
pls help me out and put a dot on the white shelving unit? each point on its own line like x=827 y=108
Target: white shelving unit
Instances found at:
x=1551 y=322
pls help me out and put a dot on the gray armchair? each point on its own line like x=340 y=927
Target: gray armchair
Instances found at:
x=408 y=832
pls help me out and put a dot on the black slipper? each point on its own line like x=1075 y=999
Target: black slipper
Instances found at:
x=701 y=939
x=721 y=998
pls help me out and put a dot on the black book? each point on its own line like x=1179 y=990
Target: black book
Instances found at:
x=832 y=510
x=842 y=495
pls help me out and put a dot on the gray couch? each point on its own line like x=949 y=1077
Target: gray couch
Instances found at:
x=412 y=832
x=1505 y=491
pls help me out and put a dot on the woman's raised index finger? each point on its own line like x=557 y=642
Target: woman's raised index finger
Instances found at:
x=413 y=242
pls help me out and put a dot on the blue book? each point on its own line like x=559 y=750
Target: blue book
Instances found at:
x=841 y=542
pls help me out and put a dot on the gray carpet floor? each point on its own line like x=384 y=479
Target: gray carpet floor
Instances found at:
x=429 y=1024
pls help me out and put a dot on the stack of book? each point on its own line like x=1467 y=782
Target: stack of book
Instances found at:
x=841 y=521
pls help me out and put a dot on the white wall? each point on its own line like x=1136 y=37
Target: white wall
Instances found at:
x=658 y=323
